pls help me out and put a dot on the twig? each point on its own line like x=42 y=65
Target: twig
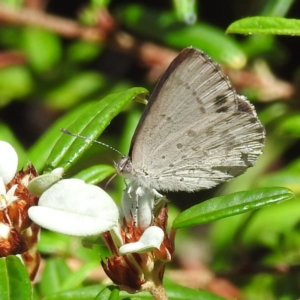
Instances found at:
x=58 y=25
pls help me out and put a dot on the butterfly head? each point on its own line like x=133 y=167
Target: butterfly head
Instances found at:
x=124 y=166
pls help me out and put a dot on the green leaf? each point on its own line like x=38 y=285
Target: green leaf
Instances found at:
x=291 y=125
x=174 y=292
x=15 y=82
x=76 y=278
x=40 y=151
x=262 y=229
x=288 y=179
x=85 y=293
x=14 y=280
x=95 y=174
x=109 y=293
x=229 y=205
x=55 y=274
x=265 y=25
x=90 y=124
x=75 y=89
x=42 y=48
x=83 y=51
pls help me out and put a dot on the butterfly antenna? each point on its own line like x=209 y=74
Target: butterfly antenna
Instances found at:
x=89 y=139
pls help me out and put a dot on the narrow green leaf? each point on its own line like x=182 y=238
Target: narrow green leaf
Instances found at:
x=109 y=293
x=174 y=292
x=55 y=273
x=208 y=39
x=95 y=174
x=86 y=293
x=15 y=83
x=14 y=280
x=76 y=88
x=265 y=25
x=42 y=48
x=39 y=152
x=229 y=205
x=83 y=51
x=91 y=124
x=76 y=278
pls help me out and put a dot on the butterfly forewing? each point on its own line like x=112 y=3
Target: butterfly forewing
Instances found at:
x=196 y=131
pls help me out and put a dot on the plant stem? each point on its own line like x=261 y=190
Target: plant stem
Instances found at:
x=156 y=290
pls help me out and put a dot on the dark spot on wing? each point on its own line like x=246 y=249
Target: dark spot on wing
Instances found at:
x=202 y=109
x=198 y=99
x=163 y=157
x=181 y=179
x=229 y=170
x=191 y=133
x=171 y=165
x=179 y=146
x=260 y=130
x=222 y=109
x=169 y=118
x=220 y=100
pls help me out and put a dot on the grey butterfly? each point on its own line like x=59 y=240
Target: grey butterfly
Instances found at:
x=195 y=132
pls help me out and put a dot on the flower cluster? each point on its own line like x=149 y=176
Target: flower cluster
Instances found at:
x=140 y=251
x=136 y=234
x=18 y=234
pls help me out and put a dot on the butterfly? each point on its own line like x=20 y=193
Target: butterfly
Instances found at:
x=195 y=131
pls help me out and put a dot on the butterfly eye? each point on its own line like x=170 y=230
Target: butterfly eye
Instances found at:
x=128 y=166
x=124 y=165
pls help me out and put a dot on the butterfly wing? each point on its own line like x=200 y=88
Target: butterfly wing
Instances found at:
x=196 y=131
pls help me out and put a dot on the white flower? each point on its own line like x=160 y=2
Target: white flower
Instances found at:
x=8 y=168
x=135 y=236
x=8 y=162
x=18 y=235
x=151 y=238
x=73 y=207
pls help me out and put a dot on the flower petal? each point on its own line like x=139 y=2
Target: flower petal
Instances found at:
x=40 y=184
x=151 y=238
x=8 y=161
x=73 y=207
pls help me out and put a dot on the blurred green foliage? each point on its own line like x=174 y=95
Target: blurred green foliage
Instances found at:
x=60 y=78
